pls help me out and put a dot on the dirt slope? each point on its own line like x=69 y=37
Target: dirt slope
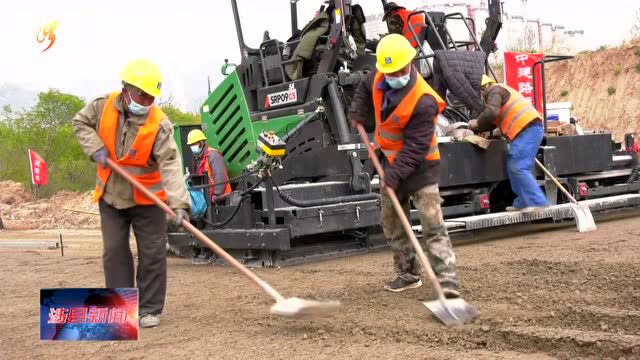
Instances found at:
x=587 y=80
x=21 y=212
x=557 y=294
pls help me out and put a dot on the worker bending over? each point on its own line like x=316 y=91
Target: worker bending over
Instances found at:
x=211 y=161
x=405 y=109
x=128 y=128
x=521 y=124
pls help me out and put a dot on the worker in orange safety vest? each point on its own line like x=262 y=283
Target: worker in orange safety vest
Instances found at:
x=521 y=124
x=405 y=109
x=399 y=22
x=126 y=127
x=210 y=161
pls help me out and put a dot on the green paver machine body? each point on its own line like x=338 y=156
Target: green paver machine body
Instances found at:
x=321 y=199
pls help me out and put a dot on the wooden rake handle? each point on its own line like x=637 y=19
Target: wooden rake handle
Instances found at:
x=403 y=218
x=198 y=234
x=555 y=181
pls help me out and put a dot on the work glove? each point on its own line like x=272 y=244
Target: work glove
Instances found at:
x=181 y=214
x=100 y=157
x=473 y=124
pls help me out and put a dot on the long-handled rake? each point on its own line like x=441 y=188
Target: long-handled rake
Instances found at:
x=581 y=212
x=290 y=307
x=448 y=311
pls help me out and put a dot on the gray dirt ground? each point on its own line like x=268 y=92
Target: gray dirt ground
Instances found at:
x=552 y=294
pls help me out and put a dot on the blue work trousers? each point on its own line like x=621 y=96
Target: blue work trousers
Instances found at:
x=520 y=162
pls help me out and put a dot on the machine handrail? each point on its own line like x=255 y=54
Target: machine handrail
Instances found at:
x=419 y=43
x=459 y=16
x=545 y=58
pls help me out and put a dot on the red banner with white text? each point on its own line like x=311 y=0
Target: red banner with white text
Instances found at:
x=518 y=74
x=39 y=174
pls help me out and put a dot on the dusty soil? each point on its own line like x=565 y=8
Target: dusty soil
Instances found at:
x=557 y=293
x=12 y=193
x=20 y=211
x=586 y=81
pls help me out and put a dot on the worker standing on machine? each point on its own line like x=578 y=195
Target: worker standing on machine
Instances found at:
x=405 y=109
x=398 y=22
x=129 y=129
x=211 y=161
x=521 y=124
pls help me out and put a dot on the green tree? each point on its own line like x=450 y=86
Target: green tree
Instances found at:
x=176 y=115
x=45 y=128
x=180 y=117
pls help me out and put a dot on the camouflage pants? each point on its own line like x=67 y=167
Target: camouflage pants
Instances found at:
x=435 y=240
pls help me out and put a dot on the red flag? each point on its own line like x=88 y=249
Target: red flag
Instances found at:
x=518 y=74
x=39 y=174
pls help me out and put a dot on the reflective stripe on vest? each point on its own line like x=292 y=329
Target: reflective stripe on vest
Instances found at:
x=204 y=164
x=417 y=23
x=389 y=134
x=516 y=114
x=136 y=159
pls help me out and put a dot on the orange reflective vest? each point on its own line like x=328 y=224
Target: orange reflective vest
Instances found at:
x=388 y=134
x=516 y=114
x=136 y=160
x=205 y=166
x=417 y=23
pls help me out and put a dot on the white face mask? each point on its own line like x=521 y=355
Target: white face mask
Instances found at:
x=398 y=82
x=136 y=108
x=195 y=149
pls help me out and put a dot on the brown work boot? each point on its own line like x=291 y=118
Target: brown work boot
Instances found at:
x=399 y=285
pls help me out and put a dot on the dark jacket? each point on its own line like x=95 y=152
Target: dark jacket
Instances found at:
x=410 y=171
x=494 y=98
x=460 y=72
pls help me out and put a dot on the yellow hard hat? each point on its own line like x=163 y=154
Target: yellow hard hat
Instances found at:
x=195 y=136
x=393 y=53
x=144 y=75
x=486 y=80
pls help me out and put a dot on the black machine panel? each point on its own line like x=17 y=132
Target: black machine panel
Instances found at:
x=463 y=163
x=187 y=155
x=308 y=156
x=466 y=164
x=438 y=18
x=283 y=95
x=581 y=153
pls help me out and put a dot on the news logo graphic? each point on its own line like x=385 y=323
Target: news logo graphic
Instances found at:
x=47 y=32
x=92 y=314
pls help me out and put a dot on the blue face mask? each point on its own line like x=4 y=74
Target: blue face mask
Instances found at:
x=136 y=108
x=397 y=82
x=195 y=149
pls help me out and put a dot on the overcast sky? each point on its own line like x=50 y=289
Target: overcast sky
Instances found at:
x=190 y=39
